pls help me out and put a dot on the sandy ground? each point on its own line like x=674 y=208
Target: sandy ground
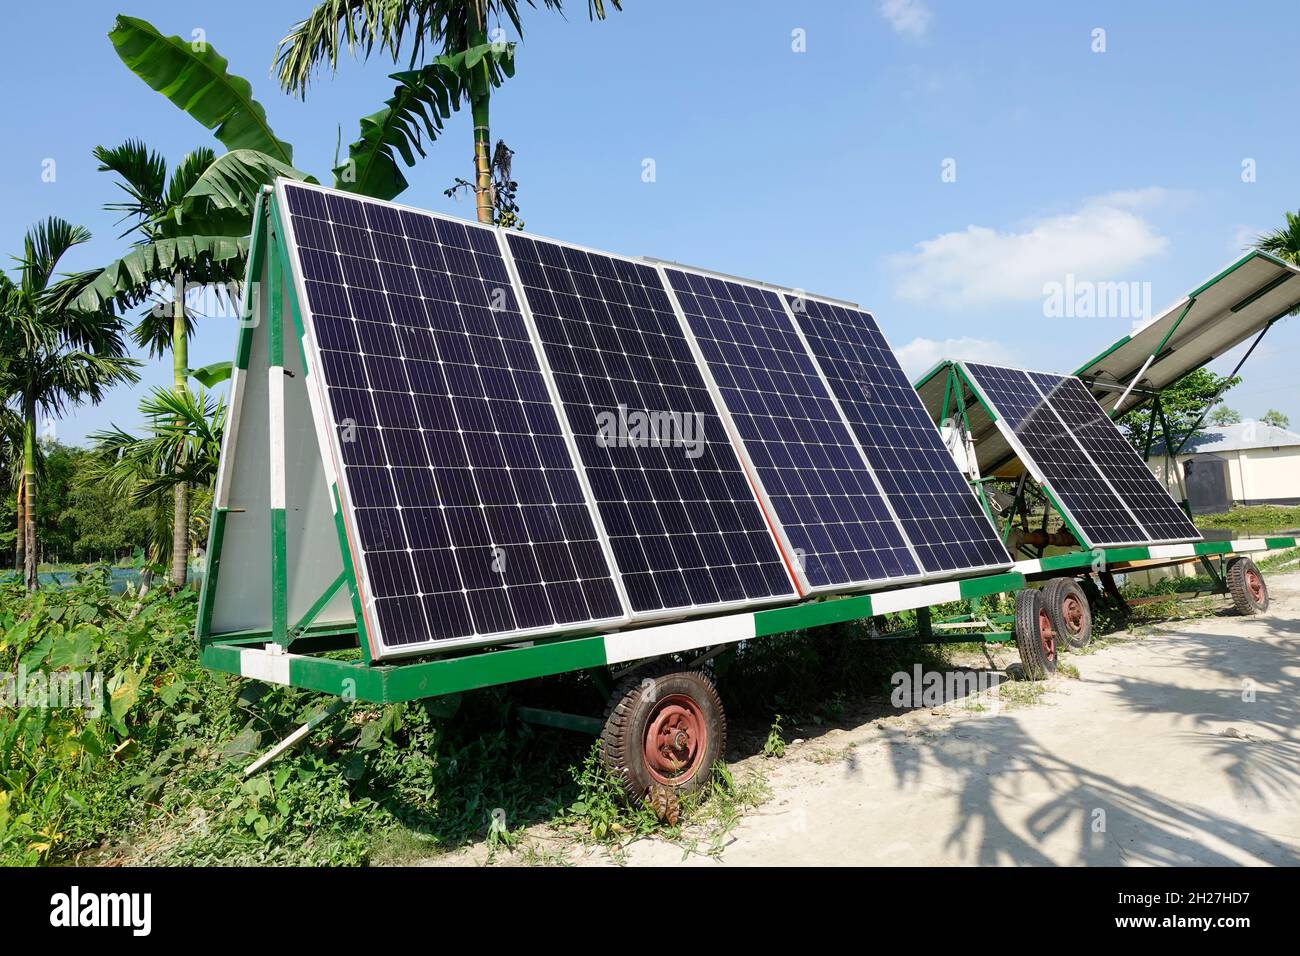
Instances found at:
x=1181 y=748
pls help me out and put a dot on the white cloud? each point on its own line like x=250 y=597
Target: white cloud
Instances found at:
x=1243 y=239
x=980 y=265
x=908 y=17
x=922 y=354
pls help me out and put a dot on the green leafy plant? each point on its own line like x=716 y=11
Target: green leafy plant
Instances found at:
x=774 y=746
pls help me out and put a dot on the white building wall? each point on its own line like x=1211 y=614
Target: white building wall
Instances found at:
x=1254 y=474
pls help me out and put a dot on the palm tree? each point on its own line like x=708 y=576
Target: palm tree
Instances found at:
x=184 y=235
x=458 y=28
x=11 y=470
x=54 y=355
x=182 y=446
x=1283 y=243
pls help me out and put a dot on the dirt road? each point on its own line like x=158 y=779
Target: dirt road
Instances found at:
x=1180 y=748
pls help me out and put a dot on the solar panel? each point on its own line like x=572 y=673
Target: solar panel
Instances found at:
x=683 y=524
x=458 y=486
x=809 y=470
x=934 y=503
x=1116 y=459
x=1048 y=447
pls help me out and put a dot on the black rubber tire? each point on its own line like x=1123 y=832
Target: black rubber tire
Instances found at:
x=627 y=718
x=1058 y=594
x=1244 y=598
x=1038 y=662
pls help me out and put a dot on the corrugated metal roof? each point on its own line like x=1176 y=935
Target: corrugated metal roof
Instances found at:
x=1240 y=437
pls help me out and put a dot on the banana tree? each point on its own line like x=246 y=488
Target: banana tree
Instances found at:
x=54 y=356
x=466 y=71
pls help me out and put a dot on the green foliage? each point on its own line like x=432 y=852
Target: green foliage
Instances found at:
x=1183 y=403
x=602 y=809
x=1253 y=520
x=1283 y=242
x=1223 y=415
x=1275 y=418
x=774 y=746
x=194 y=77
x=64 y=770
x=422 y=101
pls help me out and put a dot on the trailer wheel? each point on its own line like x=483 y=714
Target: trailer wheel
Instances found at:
x=1035 y=637
x=1247 y=587
x=1069 y=610
x=664 y=729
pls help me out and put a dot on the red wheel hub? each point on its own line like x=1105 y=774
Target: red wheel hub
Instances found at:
x=1072 y=614
x=1255 y=585
x=1046 y=636
x=676 y=737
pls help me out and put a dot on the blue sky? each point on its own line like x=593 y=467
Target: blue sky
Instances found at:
x=823 y=169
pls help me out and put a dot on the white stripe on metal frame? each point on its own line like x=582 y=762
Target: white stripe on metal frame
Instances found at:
x=315 y=401
x=1028 y=567
x=924 y=596
x=668 y=638
x=1172 y=551
x=226 y=468
x=263 y=665
x=1250 y=544
x=275 y=403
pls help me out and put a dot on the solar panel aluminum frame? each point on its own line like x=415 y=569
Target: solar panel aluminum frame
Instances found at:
x=926 y=575
x=788 y=549
x=332 y=458
x=665 y=614
x=1032 y=466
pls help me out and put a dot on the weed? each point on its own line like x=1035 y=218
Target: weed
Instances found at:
x=774 y=746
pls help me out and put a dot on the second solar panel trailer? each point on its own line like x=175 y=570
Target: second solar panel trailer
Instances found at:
x=1085 y=508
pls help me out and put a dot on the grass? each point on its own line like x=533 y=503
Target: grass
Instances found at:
x=1252 y=519
x=158 y=777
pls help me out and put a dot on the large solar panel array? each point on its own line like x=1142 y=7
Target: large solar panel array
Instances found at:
x=627 y=442
x=469 y=511
x=683 y=523
x=934 y=503
x=1078 y=455
x=810 y=468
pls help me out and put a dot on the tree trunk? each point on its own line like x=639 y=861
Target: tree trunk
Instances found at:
x=479 y=108
x=180 y=375
x=20 y=533
x=30 y=498
x=482 y=159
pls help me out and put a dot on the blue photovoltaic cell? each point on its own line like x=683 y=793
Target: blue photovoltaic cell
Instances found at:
x=933 y=502
x=683 y=523
x=1116 y=459
x=821 y=492
x=466 y=504
x=1097 y=511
